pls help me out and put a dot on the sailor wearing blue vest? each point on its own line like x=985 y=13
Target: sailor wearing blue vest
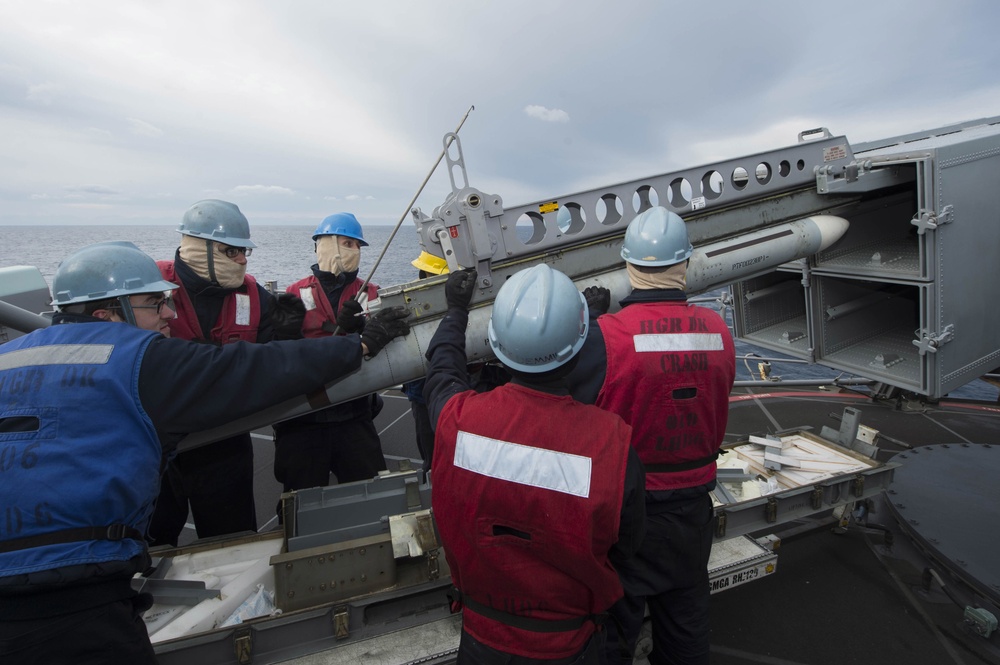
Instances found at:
x=667 y=368
x=536 y=496
x=88 y=409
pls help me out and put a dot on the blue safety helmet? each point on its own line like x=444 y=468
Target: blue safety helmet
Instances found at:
x=539 y=320
x=216 y=220
x=341 y=224
x=656 y=237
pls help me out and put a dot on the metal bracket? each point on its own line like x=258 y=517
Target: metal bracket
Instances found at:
x=243 y=645
x=858 y=486
x=933 y=341
x=928 y=220
x=720 y=523
x=341 y=623
x=771 y=510
x=816 y=498
x=830 y=178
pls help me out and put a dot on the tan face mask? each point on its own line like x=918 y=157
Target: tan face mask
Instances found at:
x=671 y=277
x=333 y=257
x=226 y=272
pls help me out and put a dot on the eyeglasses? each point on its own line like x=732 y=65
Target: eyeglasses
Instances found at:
x=233 y=252
x=168 y=301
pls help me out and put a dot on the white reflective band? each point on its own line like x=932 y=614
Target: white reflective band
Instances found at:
x=535 y=467
x=242 y=309
x=678 y=342
x=57 y=354
x=307 y=298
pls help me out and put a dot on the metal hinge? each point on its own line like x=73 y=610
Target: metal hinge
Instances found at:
x=932 y=342
x=243 y=645
x=720 y=523
x=926 y=220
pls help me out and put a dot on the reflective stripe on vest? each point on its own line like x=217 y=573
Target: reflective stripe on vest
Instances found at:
x=525 y=465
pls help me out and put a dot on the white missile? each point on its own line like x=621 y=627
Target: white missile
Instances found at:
x=710 y=267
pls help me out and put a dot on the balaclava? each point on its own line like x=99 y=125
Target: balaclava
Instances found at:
x=667 y=277
x=210 y=264
x=332 y=257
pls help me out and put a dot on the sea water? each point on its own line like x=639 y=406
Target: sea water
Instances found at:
x=284 y=255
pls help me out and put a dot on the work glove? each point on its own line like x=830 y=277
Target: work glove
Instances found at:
x=287 y=316
x=384 y=326
x=349 y=318
x=598 y=300
x=459 y=288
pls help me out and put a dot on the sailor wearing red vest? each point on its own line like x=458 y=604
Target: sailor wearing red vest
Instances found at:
x=537 y=497
x=667 y=368
x=342 y=439
x=217 y=303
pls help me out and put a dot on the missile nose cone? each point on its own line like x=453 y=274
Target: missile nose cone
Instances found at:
x=831 y=229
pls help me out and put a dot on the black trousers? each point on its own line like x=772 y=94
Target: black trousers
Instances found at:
x=217 y=481
x=473 y=652
x=670 y=574
x=111 y=634
x=306 y=453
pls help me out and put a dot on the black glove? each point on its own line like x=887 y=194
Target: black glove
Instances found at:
x=384 y=326
x=459 y=288
x=287 y=315
x=598 y=300
x=348 y=318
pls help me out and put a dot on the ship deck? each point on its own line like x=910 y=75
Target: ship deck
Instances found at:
x=839 y=596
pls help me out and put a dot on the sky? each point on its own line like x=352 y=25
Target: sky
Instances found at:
x=128 y=112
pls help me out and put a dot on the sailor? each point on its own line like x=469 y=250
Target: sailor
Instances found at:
x=485 y=375
x=343 y=438
x=426 y=264
x=217 y=303
x=667 y=368
x=536 y=496
x=88 y=407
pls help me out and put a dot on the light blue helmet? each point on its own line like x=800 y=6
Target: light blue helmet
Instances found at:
x=105 y=271
x=341 y=224
x=539 y=320
x=563 y=219
x=216 y=220
x=656 y=237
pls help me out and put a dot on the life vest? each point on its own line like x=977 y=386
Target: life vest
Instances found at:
x=527 y=499
x=318 y=307
x=239 y=319
x=79 y=457
x=670 y=368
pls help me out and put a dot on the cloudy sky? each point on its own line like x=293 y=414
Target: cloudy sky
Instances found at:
x=128 y=112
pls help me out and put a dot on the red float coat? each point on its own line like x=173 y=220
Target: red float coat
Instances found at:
x=238 y=321
x=670 y=368
x=527 y=498
x=318 y=307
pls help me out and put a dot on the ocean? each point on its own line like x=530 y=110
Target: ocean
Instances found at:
x=285 y=253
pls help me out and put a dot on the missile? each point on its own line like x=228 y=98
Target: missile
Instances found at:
x=711 y=266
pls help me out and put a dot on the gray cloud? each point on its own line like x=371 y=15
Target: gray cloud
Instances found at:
x=42 y=93
x=629 y=94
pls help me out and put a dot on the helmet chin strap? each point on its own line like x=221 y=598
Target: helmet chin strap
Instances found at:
x=127 y=310
x=211 y=262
